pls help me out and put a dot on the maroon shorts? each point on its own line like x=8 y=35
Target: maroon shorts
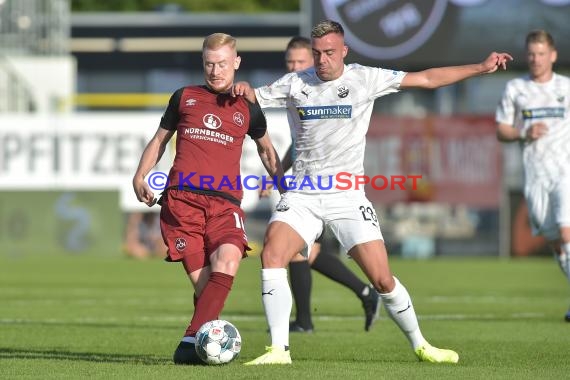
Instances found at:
x=194 y=225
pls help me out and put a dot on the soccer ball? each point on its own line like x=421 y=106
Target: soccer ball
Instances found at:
x=218 y=342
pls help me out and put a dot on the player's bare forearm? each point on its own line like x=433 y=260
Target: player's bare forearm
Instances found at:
x=286 y=164
x=272 y=164
x=270 y=159
x=150 y=157
x=153 y=152
x=507 y=133
x=443 y=76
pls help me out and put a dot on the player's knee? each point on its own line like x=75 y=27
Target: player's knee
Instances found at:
x=273 y=258
x=227 y=263
x=384 y=284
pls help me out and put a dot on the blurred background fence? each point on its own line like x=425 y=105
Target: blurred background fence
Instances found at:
x=82 y=89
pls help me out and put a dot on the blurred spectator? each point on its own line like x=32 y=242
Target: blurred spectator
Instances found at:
x=142 y=236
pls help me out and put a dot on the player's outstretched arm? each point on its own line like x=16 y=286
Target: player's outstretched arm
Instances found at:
x=443 y=76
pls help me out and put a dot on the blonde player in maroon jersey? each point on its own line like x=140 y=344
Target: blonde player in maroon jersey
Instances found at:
x=201 y=219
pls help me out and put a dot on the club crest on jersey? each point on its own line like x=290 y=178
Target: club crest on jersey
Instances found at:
x=180 y=244
x=211 y=121
x=239 y=118
x=560 y=99
x=325 y=112
x=342 y=91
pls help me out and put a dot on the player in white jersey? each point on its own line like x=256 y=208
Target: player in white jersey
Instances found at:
x=298 y=57
x=334 y=103
x=535 y=111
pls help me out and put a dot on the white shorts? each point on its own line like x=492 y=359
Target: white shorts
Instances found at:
x=549 y=207
x=348 y=214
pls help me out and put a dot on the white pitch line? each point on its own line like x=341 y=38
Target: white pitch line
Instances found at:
x=258 y=318
x=185 y=301
x=477 y=299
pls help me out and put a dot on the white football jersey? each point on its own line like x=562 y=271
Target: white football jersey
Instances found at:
x=329 y=120
x=526 y=102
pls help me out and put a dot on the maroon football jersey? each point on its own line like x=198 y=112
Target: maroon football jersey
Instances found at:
x=211 y=128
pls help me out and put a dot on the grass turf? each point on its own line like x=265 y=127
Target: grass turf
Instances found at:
x=71 y=317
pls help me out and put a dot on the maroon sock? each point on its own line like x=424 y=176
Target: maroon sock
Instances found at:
x=211 y=302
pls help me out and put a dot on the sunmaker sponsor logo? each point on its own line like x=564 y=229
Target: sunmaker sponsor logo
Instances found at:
x=539 y=113
x=325 y=112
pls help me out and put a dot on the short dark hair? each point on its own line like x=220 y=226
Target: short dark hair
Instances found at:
x=325 y=27
x=299 y=42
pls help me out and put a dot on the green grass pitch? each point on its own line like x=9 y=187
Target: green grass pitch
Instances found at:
x=76 y=317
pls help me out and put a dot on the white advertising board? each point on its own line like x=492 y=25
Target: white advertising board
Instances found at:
x=97 y=151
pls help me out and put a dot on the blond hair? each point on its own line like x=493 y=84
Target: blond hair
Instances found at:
x=325 y=27
x=217 y=40
x=540 y=36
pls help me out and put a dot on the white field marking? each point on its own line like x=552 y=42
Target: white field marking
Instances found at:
x=258 y=318
x=448 y=317
x=96 y=301
x=69 y=294
x=479 y=299
x=185 y=301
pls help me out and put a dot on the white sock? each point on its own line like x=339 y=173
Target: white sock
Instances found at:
x=277 y=302
x=564 y=259
x=399 y=306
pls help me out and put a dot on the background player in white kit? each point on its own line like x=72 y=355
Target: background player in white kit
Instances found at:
x=334 y=103
x=535 y=111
